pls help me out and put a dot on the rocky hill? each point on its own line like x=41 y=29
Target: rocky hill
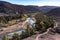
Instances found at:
x=54 y=12
x=9 y=8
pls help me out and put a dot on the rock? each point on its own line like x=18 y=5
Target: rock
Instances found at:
x=57 y=30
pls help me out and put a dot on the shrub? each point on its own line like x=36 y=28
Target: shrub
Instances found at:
x=4 y=37
x=15 y=37
x=28 y=32
x=43 y=22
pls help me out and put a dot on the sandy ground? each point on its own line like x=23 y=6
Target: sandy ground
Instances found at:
x=12 y=28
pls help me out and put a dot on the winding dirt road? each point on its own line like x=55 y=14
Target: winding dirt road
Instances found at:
x=37 y=38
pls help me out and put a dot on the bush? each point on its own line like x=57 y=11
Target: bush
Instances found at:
x=43 y=22
x=28 y=32
x=15 y=37
x=4 y=37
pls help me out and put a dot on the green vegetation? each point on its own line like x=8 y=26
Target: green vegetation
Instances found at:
x=28 y=32
x=5 y=19
x=24 y=16
x=16 y=37
x=43 y=22
x=12 y=19
x=4 y=38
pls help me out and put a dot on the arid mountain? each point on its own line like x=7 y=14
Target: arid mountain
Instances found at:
x=46 y=9
x=54 y=12
x=8 y=8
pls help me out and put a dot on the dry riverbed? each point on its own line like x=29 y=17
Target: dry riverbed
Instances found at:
x=12 y=28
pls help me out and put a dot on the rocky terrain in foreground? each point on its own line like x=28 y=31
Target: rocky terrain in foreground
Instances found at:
x=53 y=34
x=48 y=36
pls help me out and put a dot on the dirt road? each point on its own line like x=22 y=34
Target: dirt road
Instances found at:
x=37 y=38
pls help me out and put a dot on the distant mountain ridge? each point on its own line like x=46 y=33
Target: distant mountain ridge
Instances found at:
x=54 y=12
x=46 y=9
x=9 y=8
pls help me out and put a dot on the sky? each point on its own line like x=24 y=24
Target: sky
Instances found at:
x=35 y=2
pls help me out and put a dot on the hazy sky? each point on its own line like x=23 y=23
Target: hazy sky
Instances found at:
x=36 y=2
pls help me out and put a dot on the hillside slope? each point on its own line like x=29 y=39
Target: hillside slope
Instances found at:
x=9 y=8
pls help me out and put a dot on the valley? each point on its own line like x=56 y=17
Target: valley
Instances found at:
x=28 y=22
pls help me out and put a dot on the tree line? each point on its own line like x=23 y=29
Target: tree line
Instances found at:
x=5 y=19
